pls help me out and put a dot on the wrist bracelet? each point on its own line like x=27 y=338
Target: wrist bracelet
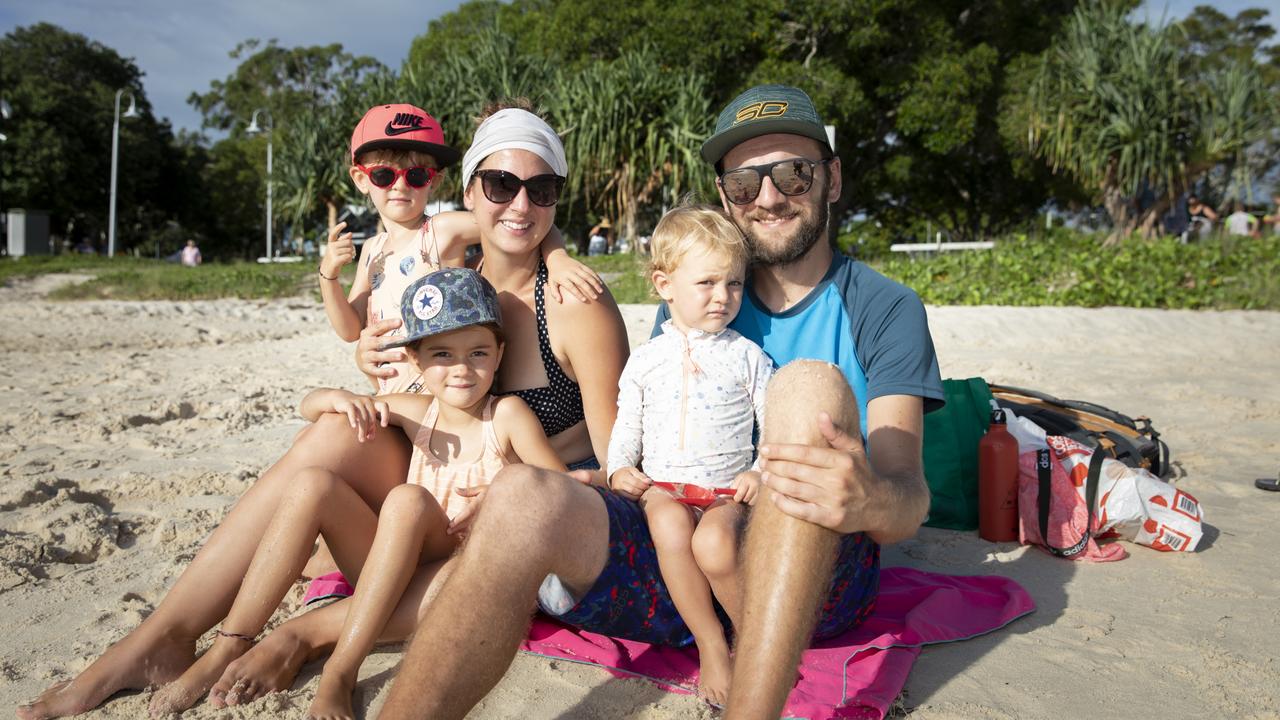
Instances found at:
x=326 y=277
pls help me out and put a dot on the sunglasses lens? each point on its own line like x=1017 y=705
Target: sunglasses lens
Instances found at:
x=792 y=177
x=382 y=176
x=500 y=186
x=544 y=190
x=741 y=186
x=417 y=176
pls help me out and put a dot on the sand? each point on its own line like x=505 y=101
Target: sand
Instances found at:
x=129 y=428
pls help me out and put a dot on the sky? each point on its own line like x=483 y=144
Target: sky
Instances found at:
x=181 y=47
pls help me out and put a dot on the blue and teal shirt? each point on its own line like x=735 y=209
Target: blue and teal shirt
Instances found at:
x=873 y=328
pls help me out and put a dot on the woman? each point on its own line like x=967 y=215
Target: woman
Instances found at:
x=513 y=175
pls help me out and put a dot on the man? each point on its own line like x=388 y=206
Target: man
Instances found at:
x=810 y=556
x=1241 y=223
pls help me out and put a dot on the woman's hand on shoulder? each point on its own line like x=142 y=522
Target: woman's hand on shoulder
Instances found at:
x=370 y=357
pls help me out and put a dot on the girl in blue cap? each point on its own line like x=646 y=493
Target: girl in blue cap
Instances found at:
x=461 y=434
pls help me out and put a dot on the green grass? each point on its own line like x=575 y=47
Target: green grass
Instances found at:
x=1062 y=269
x=137 y=279
x=626 y=276
x=1071 y=269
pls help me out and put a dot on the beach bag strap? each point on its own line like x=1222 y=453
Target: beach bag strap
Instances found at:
x=1044 y=469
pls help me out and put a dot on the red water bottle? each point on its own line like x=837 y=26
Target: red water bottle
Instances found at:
x=998 y=482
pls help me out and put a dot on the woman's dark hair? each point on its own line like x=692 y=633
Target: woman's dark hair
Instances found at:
x=518 y=103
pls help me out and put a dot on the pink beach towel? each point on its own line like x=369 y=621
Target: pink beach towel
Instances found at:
x=854 y=675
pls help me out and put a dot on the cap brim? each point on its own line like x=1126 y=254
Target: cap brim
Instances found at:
x=444 y=155
x=718 y=145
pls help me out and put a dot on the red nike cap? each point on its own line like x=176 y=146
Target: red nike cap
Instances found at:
x=402 y=127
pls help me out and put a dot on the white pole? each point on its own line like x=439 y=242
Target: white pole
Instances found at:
x=268 y=197
x=115 y=152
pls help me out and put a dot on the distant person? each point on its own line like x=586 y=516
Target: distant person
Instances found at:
x=599 y=242
x=1241 y=223
x=1273 y=219
x=191 y=254
x=1201 y=216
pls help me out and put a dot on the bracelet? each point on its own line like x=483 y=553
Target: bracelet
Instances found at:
x=326 y=277
x=237 y=636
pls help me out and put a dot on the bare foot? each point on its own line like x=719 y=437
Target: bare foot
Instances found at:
x=270 y=666
x=134 y=663
x=333 y=698
x=715 y=670
x=196 y=681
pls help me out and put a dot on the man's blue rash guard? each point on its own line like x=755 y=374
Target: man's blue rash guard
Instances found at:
x=874 y=329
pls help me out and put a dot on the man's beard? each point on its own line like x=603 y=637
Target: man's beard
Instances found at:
x=795 y=247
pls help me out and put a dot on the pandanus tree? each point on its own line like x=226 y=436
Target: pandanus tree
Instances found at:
x=631 y=126
x=1118 y=107
x=632 y=130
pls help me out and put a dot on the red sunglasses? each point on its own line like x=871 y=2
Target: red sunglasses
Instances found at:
x=384 y=176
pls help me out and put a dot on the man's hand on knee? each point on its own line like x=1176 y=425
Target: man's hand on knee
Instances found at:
x=827 y=486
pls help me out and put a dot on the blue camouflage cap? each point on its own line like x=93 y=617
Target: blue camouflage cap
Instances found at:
x=444 y=301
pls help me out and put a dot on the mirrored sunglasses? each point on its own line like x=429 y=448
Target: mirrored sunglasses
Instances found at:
x=791 y=177
x=501 y=187
x=384 y=176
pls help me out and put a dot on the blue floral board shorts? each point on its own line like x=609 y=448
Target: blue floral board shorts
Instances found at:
x=629 y=600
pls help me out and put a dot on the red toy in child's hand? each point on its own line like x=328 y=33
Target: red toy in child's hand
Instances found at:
x=694 y=495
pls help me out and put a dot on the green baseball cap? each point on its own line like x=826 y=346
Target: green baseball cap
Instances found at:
x=762 y=110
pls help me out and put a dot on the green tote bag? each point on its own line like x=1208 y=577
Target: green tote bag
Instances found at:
x=951 y=436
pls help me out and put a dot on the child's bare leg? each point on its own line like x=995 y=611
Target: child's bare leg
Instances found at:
x=273 y=664
x=411 y=529
x=163 y=646
x=671 y=525
x=318 y=501
x=715 y=548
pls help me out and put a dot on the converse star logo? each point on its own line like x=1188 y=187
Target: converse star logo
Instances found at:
x=427 y=302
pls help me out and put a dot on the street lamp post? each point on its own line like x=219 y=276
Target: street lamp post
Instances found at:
x=132 y=112
x=254 y=129
x=5 y=113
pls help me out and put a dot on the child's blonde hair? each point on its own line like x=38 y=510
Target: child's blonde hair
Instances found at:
x=704 y=227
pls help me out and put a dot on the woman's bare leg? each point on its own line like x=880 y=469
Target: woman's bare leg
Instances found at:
x=411 y=528
x=671 y=525
x=163 y=646
x=715 y=549
x=273 y=664
x=316 y=502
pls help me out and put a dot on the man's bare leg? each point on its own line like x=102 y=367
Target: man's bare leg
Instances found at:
x=163 y=646
x=787 y=562
x=533 y=522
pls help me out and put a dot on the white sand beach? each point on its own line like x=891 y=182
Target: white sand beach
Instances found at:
x=129 y=428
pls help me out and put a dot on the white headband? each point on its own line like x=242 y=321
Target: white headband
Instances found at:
x=514 y=129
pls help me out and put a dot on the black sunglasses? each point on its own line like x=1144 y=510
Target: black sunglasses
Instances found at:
x=793 y=176
x=384 y=176
x=501 y=187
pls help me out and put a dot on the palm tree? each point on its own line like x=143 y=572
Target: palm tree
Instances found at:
x=1117 y=106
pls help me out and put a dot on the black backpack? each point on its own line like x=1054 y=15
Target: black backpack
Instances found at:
x=1132 y=441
